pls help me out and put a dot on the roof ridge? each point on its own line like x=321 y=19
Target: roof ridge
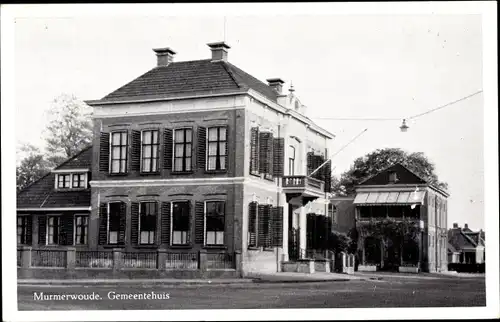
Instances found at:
x=73 y=157
x=249 y=75
x=391 y=166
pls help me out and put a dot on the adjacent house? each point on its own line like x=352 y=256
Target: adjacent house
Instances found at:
x=399 y=197
x=192 y=156
x=55 y=210
x=465 y=246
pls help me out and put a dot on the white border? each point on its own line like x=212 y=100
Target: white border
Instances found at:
x=487 y=9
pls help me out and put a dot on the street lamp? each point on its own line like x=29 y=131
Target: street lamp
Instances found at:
x=404 y=127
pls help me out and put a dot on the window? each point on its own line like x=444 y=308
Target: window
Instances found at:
x=291 y=161
x=114 y=214
x=119 y=147
x=180 y=222
x=214 y=215
x=150 y=150
x=393 y=177
x=182 y=150
x=79 y=180
x=217 y=139
x=63 y=180
x=22 y=229
x=52 y=230
x=147 y=222
x=81 y=229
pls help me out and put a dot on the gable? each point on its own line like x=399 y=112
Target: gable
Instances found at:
x=404 y=176
x=459 y=240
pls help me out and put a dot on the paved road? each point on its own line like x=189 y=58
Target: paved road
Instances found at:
x=389 y=292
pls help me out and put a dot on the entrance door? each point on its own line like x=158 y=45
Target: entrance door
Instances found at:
x=392 y=260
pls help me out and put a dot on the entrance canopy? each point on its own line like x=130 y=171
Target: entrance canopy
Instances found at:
x=389 y=198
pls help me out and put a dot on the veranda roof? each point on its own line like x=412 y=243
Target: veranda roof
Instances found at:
x=389 y=198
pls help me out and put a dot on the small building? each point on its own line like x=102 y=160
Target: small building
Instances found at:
x=465 y=246
x=399 y=197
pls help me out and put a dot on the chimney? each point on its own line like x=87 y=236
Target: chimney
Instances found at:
x=219 y=50
x=466 y=226
x=455 y=225
x=165 y=56
x=276 y=84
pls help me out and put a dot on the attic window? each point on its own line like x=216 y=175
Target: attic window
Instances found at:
x=70 y=180
x=393 y=177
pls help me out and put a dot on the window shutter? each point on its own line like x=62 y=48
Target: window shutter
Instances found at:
x=29 y=230
x=134 y=212
x=262 y=152
x=202 y=147
x=278 y=157
x=267 y=211
x=135 y=151
x=277 y=226
x=103 y=224
x=42 y=230
x=168 y=142
x=104 y=152
x=262 y=222
x=310 y=165
x=165 y=222
x=199 y=223
x=270 y=156
x=123 y=223
x=226 y=146
x=252 y=224
x=254 y=150
x=66 y=229
x=328 y=176
x=188 y=238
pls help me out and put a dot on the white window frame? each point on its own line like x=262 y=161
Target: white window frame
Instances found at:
x=70 y=180
x=158 y=151
x=58 y=216
x=156 y=219
x=207 y=148
x=205 y=222
x=108 y=221
x=74 y=228
x=85 y=180
x=291 y=172
x=192 y=146
x=111 y=152
x=172 y=222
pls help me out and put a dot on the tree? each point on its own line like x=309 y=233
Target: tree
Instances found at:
x=69 y=129
x=379 y=160
x=31 y=168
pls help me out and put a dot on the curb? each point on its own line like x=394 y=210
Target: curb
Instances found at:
x=264 y=281
x=133 y=282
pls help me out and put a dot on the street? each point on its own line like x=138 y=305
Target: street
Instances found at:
x=388 y=292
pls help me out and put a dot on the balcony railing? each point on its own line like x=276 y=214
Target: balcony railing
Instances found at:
x=302 y=182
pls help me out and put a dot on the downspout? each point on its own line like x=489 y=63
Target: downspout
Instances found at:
x=278 y=199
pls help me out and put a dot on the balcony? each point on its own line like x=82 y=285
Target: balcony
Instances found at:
x=302 y=188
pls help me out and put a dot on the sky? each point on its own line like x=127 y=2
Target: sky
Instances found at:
x=341 y=66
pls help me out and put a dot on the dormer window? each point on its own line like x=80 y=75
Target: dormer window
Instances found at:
x=71 y=180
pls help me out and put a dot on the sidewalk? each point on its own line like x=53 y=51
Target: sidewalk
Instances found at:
x=253 y=278
x=145 y=281
x=289 y=277
x=422 y=275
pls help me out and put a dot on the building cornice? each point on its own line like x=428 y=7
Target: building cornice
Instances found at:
x=56 y=209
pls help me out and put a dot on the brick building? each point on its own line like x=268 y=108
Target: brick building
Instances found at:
x=199 y=155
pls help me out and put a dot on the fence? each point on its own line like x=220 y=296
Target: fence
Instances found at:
x=48 y=258
x=182 y=261
x=116 y=259
x=94 y=259
x=139 y=260
x=220 y=261
x=467 y=268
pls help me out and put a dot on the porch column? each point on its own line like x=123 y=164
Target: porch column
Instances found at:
x=363 y=257
x=285 y=227
x=303 y=228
